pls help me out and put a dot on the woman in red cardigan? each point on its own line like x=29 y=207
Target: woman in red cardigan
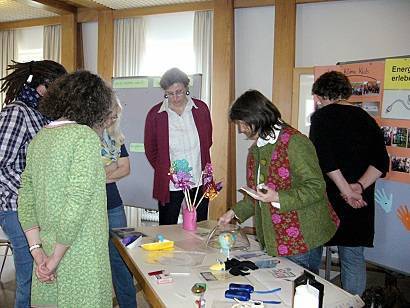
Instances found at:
x=177 y=128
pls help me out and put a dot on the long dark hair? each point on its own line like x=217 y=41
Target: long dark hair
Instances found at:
x=256 y=110
x=43 y=72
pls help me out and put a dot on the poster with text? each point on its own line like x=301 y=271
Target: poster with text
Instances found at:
x=367 y=83
x=396 y=100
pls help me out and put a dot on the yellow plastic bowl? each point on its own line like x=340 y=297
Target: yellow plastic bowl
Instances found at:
x=158 y=245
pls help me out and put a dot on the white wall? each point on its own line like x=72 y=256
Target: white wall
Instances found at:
x=253 y=67
x=166 y=35
x=340 y=31
x=90 y=45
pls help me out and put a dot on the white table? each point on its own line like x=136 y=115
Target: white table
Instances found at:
x=178 y=293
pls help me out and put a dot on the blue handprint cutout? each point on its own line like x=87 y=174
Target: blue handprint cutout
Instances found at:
x=385 y=202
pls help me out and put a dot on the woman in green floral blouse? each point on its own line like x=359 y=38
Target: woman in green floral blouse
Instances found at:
x=293 y=217
x=62 y=199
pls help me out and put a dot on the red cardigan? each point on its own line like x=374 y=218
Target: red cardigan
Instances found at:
x=156 y=143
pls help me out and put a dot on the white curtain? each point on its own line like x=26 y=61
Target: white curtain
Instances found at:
x=8 y=52
x=133 y=215
x=52 y=43
x=129 y=46
x=203 y=37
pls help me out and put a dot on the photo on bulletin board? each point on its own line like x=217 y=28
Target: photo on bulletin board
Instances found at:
x=387 y=134
x=399 y=137
x=372 y=108
x=368 y=87
x=396 y=135
x=400 y=164
x=396 y=104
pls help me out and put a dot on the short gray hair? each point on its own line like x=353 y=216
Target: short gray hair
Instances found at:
x=173 y=75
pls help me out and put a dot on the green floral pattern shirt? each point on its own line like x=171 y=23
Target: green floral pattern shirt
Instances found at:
x=305 y=219
x=63 y=192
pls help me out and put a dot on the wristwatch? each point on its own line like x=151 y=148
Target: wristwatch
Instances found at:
x=35 y=246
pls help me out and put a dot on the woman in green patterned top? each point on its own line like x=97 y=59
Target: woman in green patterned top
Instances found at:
x=62 y=198
x=293 y=217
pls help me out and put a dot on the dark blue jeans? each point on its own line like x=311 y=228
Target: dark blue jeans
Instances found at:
x=121 y=277
x=310 y=260
x=23 y=261
x=352 y=269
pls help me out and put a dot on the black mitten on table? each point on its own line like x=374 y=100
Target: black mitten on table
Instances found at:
x=237 y=267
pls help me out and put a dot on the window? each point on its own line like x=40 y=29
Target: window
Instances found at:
x=29 y=44
x=169 y=43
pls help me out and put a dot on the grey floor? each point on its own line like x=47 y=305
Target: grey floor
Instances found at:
x=379 y=277
x=376 y=277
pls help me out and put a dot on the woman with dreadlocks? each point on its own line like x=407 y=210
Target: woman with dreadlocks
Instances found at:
x=19 y=123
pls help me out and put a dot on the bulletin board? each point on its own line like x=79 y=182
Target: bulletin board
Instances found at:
x=382 y=88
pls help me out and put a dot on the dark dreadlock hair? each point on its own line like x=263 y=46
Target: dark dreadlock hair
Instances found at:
x=43 y=72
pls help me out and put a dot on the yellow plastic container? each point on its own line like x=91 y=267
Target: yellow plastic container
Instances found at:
x=164 y=245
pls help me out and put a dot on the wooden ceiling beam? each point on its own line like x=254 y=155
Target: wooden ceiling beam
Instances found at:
x=47 y=21
x=54 y=6
x=255 y=3
x=87 y=15
x=164 y=9
x=86 y=4
x=240 y=4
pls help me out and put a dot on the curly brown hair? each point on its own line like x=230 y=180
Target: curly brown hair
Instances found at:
x=332 y=85
x=80 y=96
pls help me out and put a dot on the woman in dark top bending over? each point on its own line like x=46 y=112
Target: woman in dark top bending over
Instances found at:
x=352 y=155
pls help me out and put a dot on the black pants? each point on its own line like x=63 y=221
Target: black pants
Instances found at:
x=168 y=213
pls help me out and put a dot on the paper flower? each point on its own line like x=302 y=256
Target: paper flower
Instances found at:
x=208 y=174
x=182 y=180
x=181 y=177
x=180 y=165
x=211 y=190
x=180 y=174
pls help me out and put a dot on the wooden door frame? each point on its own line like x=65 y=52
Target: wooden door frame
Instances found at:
x=297 y=72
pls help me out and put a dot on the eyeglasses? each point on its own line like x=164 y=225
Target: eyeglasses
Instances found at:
x=114 y=117
x=178 y=93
